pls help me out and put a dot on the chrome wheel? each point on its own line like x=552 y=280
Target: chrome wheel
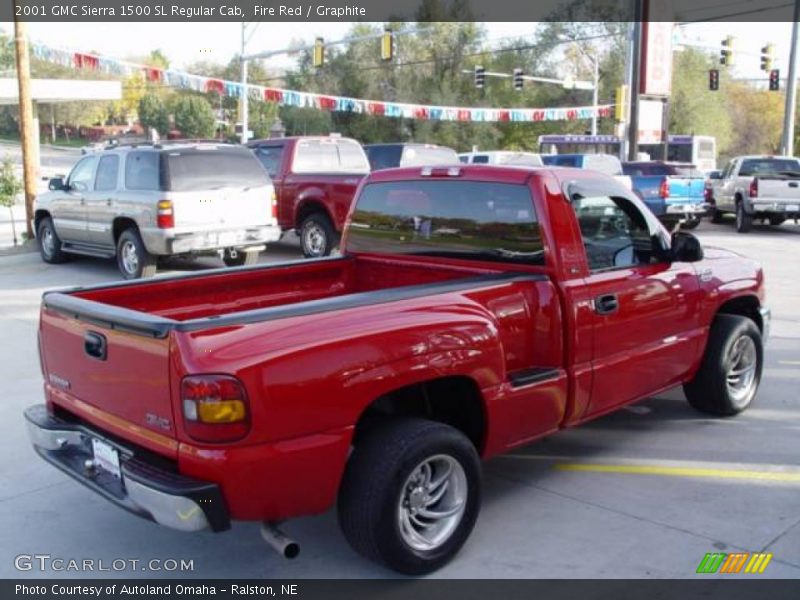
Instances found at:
x=314 y=239
x=741 y=377
x=48 y=241
x=130 y=258
x=432 y=502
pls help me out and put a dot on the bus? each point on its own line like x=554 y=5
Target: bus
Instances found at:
x=698 y=150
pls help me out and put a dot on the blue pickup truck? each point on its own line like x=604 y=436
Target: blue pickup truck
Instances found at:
x=675 y=192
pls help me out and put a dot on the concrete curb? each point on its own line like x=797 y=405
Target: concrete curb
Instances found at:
x=27 y=247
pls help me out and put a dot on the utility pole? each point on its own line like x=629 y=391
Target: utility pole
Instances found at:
x=245 y=96
x=787 y=147
x=595 y=91
x=626 y=118
x=26 y=132
x=633 y=123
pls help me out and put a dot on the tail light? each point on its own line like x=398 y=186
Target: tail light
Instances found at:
x=274 y=205
x=215 y=408
x=753 y=192
x=663 y=189
x=166 y=215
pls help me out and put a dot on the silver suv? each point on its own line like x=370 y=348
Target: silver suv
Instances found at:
x=144 y=201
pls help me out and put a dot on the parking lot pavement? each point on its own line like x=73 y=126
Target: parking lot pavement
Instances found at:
x=644 y=492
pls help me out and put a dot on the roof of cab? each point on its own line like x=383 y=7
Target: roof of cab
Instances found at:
x=492 y=173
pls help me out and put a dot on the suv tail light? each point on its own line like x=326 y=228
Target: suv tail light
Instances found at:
x=215 y=408
x=663 y=189
x=166 y=216
x=753 y=191
x=274 y=205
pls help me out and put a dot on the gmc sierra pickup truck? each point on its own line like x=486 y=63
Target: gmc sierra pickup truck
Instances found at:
x=315 y=179
x=473 y=309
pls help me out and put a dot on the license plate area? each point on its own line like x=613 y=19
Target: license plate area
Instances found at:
x=792 y=207
x=106 y=457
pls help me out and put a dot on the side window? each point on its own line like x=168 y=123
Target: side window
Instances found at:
x=616 y=234
x=270 y=157
x=107 y=171
x=480 y=159
x=141 y=171
x=80 y=179
x=728 y=170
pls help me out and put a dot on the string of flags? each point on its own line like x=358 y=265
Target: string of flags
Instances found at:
x=198 y=83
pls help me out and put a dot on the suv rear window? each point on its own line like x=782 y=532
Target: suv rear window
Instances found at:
x=329 y=156
x=457 y=219
x=212 y=167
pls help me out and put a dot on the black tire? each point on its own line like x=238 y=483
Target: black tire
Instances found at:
x=317 y=236
x=50 y=243
x=375 y=482
x=776 y=220
x=717 y=216
x=709 y=391
x=243 y=258
x=138 y=264
x=691 y=223
x=744 y=222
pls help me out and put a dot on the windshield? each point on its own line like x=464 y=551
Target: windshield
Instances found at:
x=213 y=167
x=769 y=167
x=458 y=219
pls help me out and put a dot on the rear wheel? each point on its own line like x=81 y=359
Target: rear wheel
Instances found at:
x=730 y=372
x=49 y=243
x=690 y=223
x=238 y=258
x=744 y=222
x=410 y=494
x=133 y=259
x=317 y=236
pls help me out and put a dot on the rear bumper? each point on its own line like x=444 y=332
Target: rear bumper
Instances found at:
x=777 y=206
x=144 y=489
x=694 y=209
x=168 y=242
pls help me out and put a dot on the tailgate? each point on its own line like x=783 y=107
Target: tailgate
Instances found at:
x=115 y=379
x=225 y=208
x=687 y=189
x=783 y=189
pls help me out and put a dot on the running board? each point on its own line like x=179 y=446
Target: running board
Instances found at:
x=87 y=250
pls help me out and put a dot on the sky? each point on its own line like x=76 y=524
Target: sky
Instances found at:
x=185 y=43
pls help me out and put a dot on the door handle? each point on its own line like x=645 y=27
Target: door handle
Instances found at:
x=606 y=304
x=109 y=201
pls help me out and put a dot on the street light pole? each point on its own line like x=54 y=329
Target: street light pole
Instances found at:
x=596 y=84
x=245 y=96
x=787 y=146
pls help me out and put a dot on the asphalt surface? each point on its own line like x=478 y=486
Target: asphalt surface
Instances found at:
x=645 y=492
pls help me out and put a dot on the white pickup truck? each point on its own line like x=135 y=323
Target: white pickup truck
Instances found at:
x=757 y=187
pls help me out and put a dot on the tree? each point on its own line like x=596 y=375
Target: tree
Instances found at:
x=153 y=114
x=10 y=188
x=194 y=117
x=758 y=115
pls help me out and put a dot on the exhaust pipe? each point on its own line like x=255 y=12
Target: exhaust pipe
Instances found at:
x=284 y=546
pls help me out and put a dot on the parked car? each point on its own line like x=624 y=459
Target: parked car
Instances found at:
x=604 y=163
x=315 y=179
x=757 y=187
x=390 y=156
x=472 y=310
x=501 y=157
x=675 y=192
x=141 y=202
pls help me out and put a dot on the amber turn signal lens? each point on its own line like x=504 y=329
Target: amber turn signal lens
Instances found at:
x=224 y=411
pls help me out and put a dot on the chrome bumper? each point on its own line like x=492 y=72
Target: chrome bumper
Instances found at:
x=146 y=490
x=687 y=209
x=766 y=317
x=168 y=241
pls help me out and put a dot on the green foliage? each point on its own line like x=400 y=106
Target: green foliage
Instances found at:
x=194 y=117
x=10 y=184
x=153 y=114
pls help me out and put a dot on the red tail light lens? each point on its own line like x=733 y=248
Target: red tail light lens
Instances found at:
x=166 y=215
x=663 y=189
x=215 y=408
x=753 y=188
x=274 y=205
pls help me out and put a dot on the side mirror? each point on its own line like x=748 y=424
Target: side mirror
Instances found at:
x=715 y=175
x=56 y=184
x=685 y=247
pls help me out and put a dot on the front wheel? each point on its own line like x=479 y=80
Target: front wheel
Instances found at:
x=133 y=259
x=717 y=216
x=317 y=236
x=730 y=372
x=410 y=494
x=690 y=223
x=49 y=243
x=237 y=258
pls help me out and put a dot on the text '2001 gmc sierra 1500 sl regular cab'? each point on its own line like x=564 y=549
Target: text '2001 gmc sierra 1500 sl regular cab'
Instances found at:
x=474 y=309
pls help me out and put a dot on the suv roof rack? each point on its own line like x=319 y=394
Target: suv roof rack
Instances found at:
x=164 y=143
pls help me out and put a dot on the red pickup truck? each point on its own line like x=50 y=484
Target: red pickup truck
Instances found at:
x=473 y=309
x=315 y=179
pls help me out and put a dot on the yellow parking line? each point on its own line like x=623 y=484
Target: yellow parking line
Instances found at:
x=681 y=471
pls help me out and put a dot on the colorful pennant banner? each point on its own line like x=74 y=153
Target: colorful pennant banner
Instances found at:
x=182 y=80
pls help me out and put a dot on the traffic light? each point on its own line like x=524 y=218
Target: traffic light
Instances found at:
x=387 y=45
x=726 y=54
x=767 y=57
x=518 y=80
x=774 y=80
x=480 y=77
x=713 y=80
x=621 y=103
x=319 y=53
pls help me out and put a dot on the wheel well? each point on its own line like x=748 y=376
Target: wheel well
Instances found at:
x=308 y=208
x=37 y=218
x=456 y=401
x=121 y=224
x=745 y=306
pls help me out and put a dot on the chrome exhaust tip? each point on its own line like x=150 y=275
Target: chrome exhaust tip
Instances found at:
x=278 y=541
